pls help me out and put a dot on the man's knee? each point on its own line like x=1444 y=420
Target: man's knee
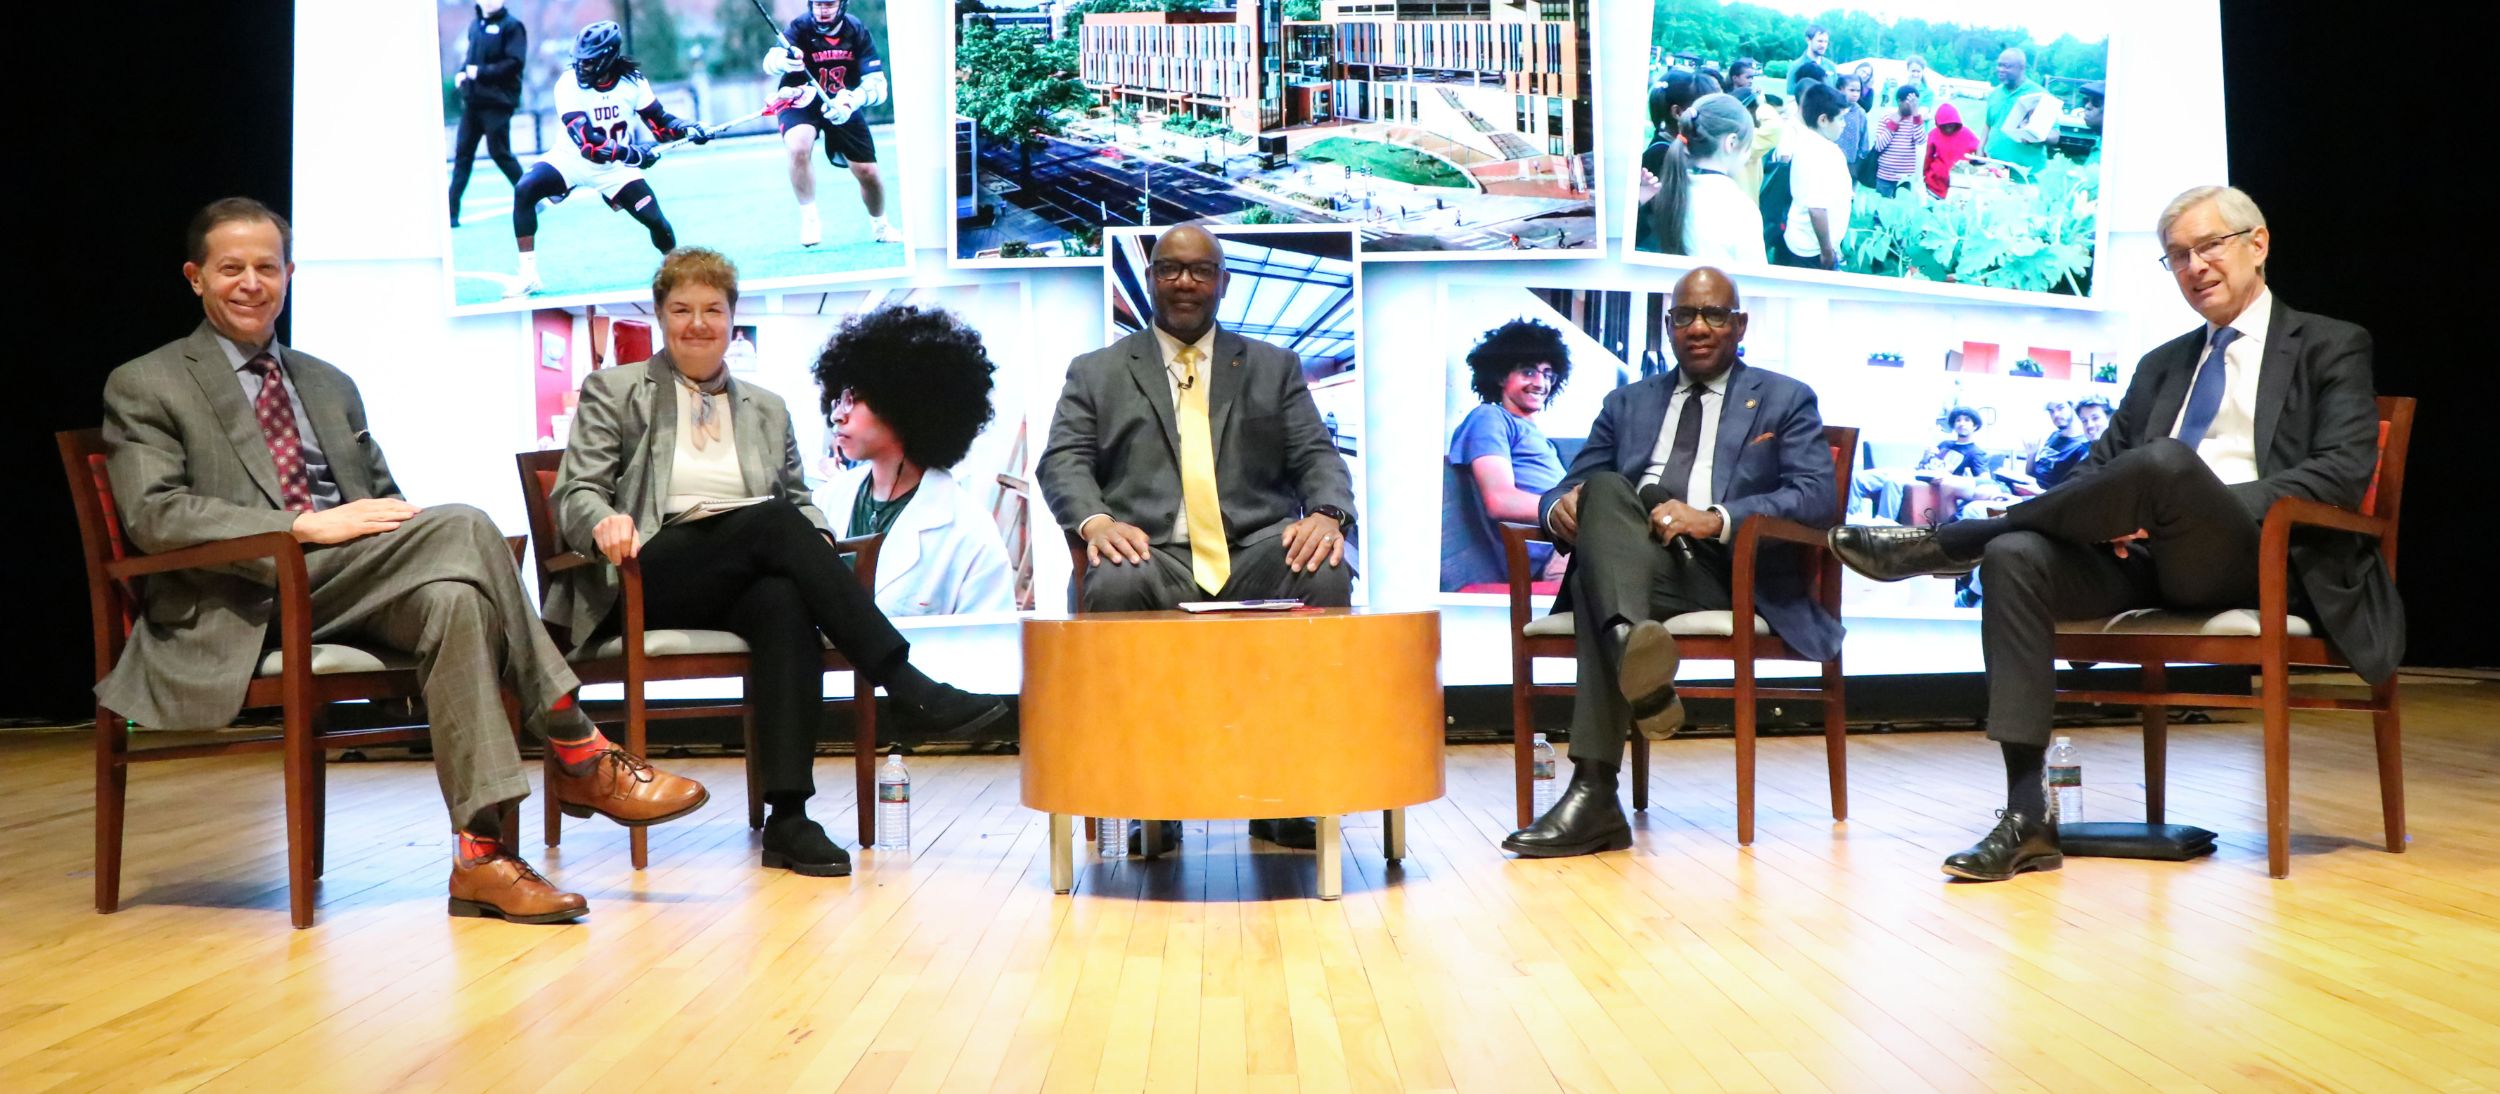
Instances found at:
x=1329 y=586
x=2164 y=457
x=447 y=604
x=1121 y=587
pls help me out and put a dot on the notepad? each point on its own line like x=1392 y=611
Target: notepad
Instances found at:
x=710 y=508
x=1281 y=604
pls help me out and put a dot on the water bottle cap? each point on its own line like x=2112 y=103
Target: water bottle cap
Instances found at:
x=2065 y=741
x=1540 y=738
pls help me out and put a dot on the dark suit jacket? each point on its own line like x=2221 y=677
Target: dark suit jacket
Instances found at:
x=2317 y=438
x=189 y=466
x=1787 y=473
x=1113 y=448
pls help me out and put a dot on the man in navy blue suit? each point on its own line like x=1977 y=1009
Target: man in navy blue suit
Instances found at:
x=1673 y=464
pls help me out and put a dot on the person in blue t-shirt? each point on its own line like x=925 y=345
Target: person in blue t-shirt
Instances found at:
x=1503 y=462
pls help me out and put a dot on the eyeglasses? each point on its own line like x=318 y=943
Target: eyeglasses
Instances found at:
x=1203 y=273
x=2177 y=257
x=1714 y=318
x=1542 y=372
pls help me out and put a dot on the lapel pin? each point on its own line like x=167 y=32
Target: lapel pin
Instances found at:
x=1749 y=403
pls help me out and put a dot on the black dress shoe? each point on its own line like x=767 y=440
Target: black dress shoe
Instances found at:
x=1170 y=835
x=1298 y=833
x=951 y=714
x=1888 y=553
x=1586 y=821
x=2019 y=844
x=801 y=846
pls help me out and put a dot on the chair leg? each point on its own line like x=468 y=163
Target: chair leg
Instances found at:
x=2156 y=747
x=552 y=827
x=1522 y=734
x=864 y=755
x=1744 y=754
x=2276 y=679
x=1836 y=736
x=319 y=769
x=1640 y=772
x=112 y=788
x=2387 y=723
x=755 y=798
x=297 y=759
x=637 y=742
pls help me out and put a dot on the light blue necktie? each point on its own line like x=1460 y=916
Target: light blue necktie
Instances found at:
x=2206 y=397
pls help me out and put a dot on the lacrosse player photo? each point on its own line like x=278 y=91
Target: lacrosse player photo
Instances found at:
x=645 y=127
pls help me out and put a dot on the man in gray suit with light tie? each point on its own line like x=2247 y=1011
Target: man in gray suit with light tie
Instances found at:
x=227 y=433
x=1193 y=462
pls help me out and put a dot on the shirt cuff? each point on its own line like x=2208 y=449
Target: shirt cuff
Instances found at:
x=1088 y=522
x=1727 y=524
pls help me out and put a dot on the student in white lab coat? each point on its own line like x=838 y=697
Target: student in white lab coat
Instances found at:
x=906 y=390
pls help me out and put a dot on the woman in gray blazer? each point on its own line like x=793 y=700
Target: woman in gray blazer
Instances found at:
x=697 y=475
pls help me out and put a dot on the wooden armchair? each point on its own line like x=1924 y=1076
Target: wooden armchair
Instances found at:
x=1736 y=635
x=639 y=655
x=300 y=678
x=2269 y=637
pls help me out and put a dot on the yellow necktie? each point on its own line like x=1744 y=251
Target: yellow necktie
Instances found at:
x=1210 y=562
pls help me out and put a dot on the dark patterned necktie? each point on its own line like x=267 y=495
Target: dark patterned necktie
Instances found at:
x=277 y=426
x=1678 y=474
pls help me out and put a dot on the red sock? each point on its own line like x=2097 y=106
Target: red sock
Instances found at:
x=565 y=703
x=574 y=753
x=474 y=847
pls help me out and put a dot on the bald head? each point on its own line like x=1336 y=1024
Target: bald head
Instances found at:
x=1706 y=324
x=2010 y=66
x=1188 y=281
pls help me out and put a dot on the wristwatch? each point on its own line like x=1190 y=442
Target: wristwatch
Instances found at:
x=1344 y=519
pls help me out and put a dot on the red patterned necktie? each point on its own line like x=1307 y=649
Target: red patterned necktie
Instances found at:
x=277 y=426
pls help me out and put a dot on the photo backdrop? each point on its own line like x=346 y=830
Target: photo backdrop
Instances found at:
x=450 y=405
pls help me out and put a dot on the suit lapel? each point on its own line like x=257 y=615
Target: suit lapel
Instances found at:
x=2173 y=391
x=1648 y=416
x=1225 y=372
x=326 y=405
x=2274 y=378
x=755 y=438
x=1154 y=384
x=225 y=396
x=1736 y=418
x=660 y=379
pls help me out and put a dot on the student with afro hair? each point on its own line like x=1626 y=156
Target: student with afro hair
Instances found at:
x=906 y=389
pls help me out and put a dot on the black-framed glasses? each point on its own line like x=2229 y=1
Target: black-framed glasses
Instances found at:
x=2211 y=249
x=1543 y=372
x=1203 y=273
x=1714 y=318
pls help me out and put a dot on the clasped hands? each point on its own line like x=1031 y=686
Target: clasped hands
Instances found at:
x=1667 y=520
x=1314 y=541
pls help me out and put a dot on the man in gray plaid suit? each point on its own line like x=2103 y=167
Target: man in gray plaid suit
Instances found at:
x=227 y=433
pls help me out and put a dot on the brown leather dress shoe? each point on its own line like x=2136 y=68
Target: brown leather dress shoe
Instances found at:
x=619 y=786
x=505 y=887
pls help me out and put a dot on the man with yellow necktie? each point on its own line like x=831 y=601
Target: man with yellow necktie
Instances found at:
x=1193 y=462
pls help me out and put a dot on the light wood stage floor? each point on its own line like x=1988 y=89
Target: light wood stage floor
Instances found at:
x=1826 y=956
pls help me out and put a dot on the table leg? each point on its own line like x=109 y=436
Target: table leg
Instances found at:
x=1062 y=857
x=1331 y=866
x=1393 y=834
x=1150 y=840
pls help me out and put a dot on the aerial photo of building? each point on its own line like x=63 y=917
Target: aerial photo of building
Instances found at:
x=1428 y=124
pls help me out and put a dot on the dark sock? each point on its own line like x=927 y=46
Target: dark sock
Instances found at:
x=908 y=685
x=2026 y=766
x=1967 y=538
x=787 y=805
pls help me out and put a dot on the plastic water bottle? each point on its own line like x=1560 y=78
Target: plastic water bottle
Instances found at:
x=1544 y=790
x=2065 y=782
x=1111 y=837
x=893 y=805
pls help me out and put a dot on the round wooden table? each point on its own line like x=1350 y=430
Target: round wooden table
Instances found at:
x=1237 y=715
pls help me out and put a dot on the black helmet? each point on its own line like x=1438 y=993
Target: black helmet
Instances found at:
x=599 y=53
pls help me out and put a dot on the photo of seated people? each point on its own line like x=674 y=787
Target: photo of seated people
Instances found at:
x=1857 y=142
x=907 y=416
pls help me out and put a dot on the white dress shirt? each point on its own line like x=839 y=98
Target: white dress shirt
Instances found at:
x=1697 y=494
x=710 y=473
x=1172 y=373
x=2230 y=444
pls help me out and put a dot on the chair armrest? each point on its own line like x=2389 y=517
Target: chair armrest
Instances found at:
x=2318 y=514
x=276 y=546
x=569 y=560
x=865 y=549
x=1754 y=529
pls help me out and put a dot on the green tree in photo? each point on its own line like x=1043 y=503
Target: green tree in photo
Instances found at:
x=744 y=38
x=652 y=39
x=1015 y=86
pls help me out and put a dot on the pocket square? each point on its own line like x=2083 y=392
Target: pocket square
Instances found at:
x=1762 y=438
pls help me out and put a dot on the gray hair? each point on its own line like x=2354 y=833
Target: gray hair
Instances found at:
x=2238 y=210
